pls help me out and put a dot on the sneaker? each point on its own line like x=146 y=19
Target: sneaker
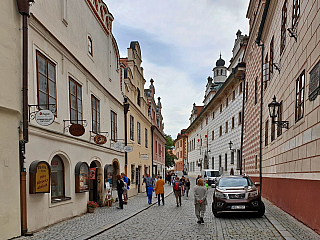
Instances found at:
x=201 y=220
x=177 y=205
x=119 y=208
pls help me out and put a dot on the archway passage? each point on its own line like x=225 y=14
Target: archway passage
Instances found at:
x=93 y=194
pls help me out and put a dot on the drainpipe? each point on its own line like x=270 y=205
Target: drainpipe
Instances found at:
x=24 y=10
x=126 y=109
x=261 y=107
x=152 y=129
x=242 y=123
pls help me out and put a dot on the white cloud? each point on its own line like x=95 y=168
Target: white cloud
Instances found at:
x=180 y=42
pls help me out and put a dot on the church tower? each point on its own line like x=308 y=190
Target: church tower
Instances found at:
x=219 y=71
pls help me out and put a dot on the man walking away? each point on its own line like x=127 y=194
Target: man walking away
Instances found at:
x=120 y=185
x=200 y=200
x=160 y=190
x=150 y=190
x=187 y=186
x=148 y=180
x=125 y=192
x=177 y=191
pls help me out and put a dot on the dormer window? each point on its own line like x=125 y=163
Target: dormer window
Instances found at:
x=90 y=46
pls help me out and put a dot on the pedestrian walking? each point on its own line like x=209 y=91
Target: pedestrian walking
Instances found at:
x=183 y=186
x=120 y=186
x=200 y=200
x=125 y=188
x=177 y=190
x=160 y=190
x=148 y=180
x=187 y=186
x=154 y=184
x=150 y=190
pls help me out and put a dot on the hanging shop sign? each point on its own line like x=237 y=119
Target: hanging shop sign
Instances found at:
x=144 y=156
x=82 y=177
x=117 y=146
x=76 y=130
x=39 y=172
x=100 y=139
x=93 y=173
x=128 y=148
x=44 y=117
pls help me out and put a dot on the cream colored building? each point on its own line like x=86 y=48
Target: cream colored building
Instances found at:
x=139 y=161
x=10 y=118
x=73 y=64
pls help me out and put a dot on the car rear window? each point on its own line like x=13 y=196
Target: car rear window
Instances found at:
x=235 y=182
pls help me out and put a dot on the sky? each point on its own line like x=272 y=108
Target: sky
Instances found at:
x=180 y=42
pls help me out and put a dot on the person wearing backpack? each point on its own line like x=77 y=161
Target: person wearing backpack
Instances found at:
x=177 y=190
x=125 y=188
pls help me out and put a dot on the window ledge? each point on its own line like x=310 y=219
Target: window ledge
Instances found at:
x=58 y=200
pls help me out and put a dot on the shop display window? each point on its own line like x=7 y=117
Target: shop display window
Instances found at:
x=82 y=177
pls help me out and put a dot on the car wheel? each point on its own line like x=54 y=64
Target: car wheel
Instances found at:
x=261 y=210
x=215 y=212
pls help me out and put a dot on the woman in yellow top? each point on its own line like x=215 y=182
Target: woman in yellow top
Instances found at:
x=160 y=190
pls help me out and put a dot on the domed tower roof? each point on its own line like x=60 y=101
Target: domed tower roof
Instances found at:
x=220 y=62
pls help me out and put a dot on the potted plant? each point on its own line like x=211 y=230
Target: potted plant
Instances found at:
x=91 y=205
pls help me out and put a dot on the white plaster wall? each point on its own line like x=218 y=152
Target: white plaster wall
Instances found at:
x=10 y=117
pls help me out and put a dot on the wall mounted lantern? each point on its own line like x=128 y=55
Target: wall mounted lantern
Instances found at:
x=230 y=146
x=273 y=111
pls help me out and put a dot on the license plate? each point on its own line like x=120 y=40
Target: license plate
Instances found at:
x=238 y=207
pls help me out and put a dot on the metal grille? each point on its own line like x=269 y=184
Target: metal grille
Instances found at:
x=236 y=196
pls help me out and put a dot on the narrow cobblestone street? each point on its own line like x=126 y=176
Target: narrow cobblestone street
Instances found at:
x=140 y=221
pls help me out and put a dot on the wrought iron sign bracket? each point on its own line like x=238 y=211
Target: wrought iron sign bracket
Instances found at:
x=93 y=134
x=67 y=124
x=293 y=32
x=277 y=66
x=33 y=109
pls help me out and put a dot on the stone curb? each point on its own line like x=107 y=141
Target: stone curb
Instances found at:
x=282 y=230
x=102 y=229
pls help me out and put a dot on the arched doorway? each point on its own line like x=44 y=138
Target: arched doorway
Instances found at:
x=93 y=194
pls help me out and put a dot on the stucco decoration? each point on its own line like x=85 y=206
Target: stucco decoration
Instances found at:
x=104 y=16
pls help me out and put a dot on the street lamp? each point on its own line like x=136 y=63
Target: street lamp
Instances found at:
x=273 y=111
x=230 y=146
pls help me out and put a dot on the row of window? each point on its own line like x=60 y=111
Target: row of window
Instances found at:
x=299 y=109
x=206 y=165
x=138 y=132
x=192 y=143
x=46 y=93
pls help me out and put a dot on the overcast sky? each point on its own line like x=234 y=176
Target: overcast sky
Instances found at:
x=180 y=43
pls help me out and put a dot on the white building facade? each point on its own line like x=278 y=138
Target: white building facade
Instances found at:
x=74 y=66
x=219 y=121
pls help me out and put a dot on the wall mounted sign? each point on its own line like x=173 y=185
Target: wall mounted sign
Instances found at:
x=82 y=177
x=44 y=117
x=117 y=145
x=76 y=130
x=93 y=173
x=100 y=139
x=144 y=156
x=39 y=172
x=128 y=148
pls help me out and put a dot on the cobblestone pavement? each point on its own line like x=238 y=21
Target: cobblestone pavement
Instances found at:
x=140 y=221
x=172 y=222
x=89 y=224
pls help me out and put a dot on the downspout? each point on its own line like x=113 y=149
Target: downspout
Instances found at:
x=152 y=129
x=24 y=10
x=126 y=109
x=258 y=39
x=242 y=123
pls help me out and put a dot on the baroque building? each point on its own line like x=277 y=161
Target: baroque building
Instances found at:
x=180 y=145
x=74 y=73
x=218 y=122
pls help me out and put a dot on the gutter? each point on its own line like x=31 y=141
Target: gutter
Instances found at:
x=258 y=40
x=24 y=10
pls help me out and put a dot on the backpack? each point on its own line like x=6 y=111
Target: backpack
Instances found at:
x=176 y=186
x=128 y=182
